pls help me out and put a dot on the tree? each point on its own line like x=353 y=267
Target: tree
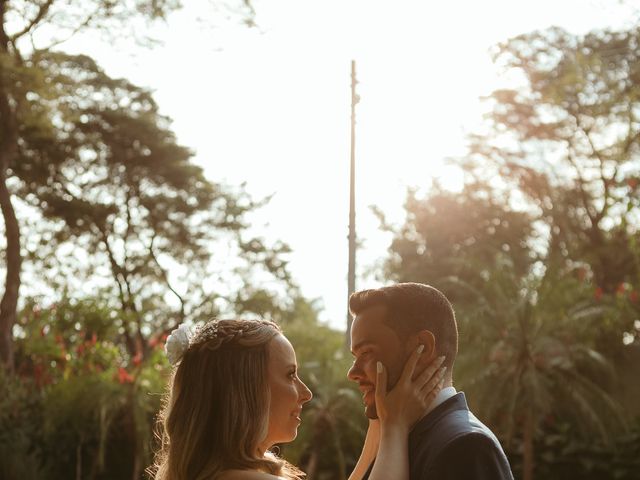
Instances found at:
x=27 y=104
x=566 y=139
x=460 y=235
x=18 y=19
x=529 y=357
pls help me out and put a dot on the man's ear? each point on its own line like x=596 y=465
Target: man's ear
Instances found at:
x=426 y=338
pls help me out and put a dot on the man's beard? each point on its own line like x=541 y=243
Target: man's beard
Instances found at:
x=370 y=410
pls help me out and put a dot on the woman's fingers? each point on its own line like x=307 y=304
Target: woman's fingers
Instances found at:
x=432 y=370
x=381 y=383
x=410 y=366
x=431 y=393
x=434 y=381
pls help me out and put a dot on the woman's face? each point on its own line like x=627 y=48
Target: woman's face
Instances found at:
x=288 y=393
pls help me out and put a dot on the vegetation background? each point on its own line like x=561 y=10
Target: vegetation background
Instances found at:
x=539 y=253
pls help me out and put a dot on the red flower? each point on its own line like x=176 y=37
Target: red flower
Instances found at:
x=124 y=376
x=94 y=339
x=153 y=341
x=598 y=293
x=621 y=288
x=632 y=182
x=137 y=359
x=80 y=349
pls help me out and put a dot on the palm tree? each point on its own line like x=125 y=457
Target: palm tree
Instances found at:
x=530 y=358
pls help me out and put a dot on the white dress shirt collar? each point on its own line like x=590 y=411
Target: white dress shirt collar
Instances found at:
x=443 y=395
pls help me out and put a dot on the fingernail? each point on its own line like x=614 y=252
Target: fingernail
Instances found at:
x=441 y=359
x=379 y=367
x=443 y=370
x=420 y=348
x=441 y=383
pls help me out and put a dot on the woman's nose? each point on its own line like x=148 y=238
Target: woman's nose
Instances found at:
x=306 y=394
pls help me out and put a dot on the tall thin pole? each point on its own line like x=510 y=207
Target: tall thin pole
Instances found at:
x=351 y=278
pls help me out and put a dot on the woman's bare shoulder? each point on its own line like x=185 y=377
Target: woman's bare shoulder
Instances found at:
x=247 y=475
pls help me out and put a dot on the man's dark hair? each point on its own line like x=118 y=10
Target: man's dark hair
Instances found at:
x=412 y=307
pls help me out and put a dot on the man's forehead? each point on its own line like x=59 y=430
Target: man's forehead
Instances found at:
x=367 y=325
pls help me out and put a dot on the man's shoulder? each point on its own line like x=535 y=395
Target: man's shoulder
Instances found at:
x=461 y=424
x=454 y=435
x=474 y=454
x=448 y=421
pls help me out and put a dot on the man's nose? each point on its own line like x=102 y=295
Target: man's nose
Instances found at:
x=354 y=372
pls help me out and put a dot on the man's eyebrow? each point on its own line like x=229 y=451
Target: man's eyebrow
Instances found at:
x=360 y=345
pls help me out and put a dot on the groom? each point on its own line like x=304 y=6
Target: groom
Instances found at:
x=449 y=442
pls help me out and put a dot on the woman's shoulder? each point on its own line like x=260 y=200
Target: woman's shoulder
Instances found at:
x=247 y=475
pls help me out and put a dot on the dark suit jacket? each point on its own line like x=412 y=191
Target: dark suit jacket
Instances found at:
x=450 y=443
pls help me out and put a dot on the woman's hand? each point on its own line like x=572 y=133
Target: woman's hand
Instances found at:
x=407 y=402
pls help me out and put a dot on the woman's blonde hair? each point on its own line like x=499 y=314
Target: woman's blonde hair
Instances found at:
x=216 y=411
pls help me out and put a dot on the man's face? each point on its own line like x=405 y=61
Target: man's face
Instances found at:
x=373 y=341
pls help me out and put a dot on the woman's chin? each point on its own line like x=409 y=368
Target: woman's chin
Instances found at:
x=294 y=434
x=290 y=437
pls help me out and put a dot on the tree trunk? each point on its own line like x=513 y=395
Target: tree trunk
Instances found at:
x=527 y=455
x=312 y=465
x=8 y=155
x=79 y=460
x=9 y=302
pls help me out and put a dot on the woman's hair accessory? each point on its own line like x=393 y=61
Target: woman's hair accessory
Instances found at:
x=177 y=343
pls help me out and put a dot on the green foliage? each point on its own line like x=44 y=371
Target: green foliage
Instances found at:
x=527 y=349
x=20 y=419
x=566 y=140
x=564 y=457
x=458 y=235
x=110 y=185
x=80 y=407
x=539 y=254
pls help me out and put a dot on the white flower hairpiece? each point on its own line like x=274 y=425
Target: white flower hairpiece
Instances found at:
x=177 y=343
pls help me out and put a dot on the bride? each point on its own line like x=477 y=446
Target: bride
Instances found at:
x=235 y=393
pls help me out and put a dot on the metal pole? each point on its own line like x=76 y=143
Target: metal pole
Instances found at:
x=351 y=278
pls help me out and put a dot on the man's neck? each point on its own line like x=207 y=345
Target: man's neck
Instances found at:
x=443 y=395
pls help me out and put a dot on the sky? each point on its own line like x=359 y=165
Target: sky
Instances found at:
x=269 y=106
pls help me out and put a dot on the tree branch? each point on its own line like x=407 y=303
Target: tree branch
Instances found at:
x=581 y=184
x=42 y=12
x=82 y=25
x=115 y=269
x=165 y=277
x=605 y=181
